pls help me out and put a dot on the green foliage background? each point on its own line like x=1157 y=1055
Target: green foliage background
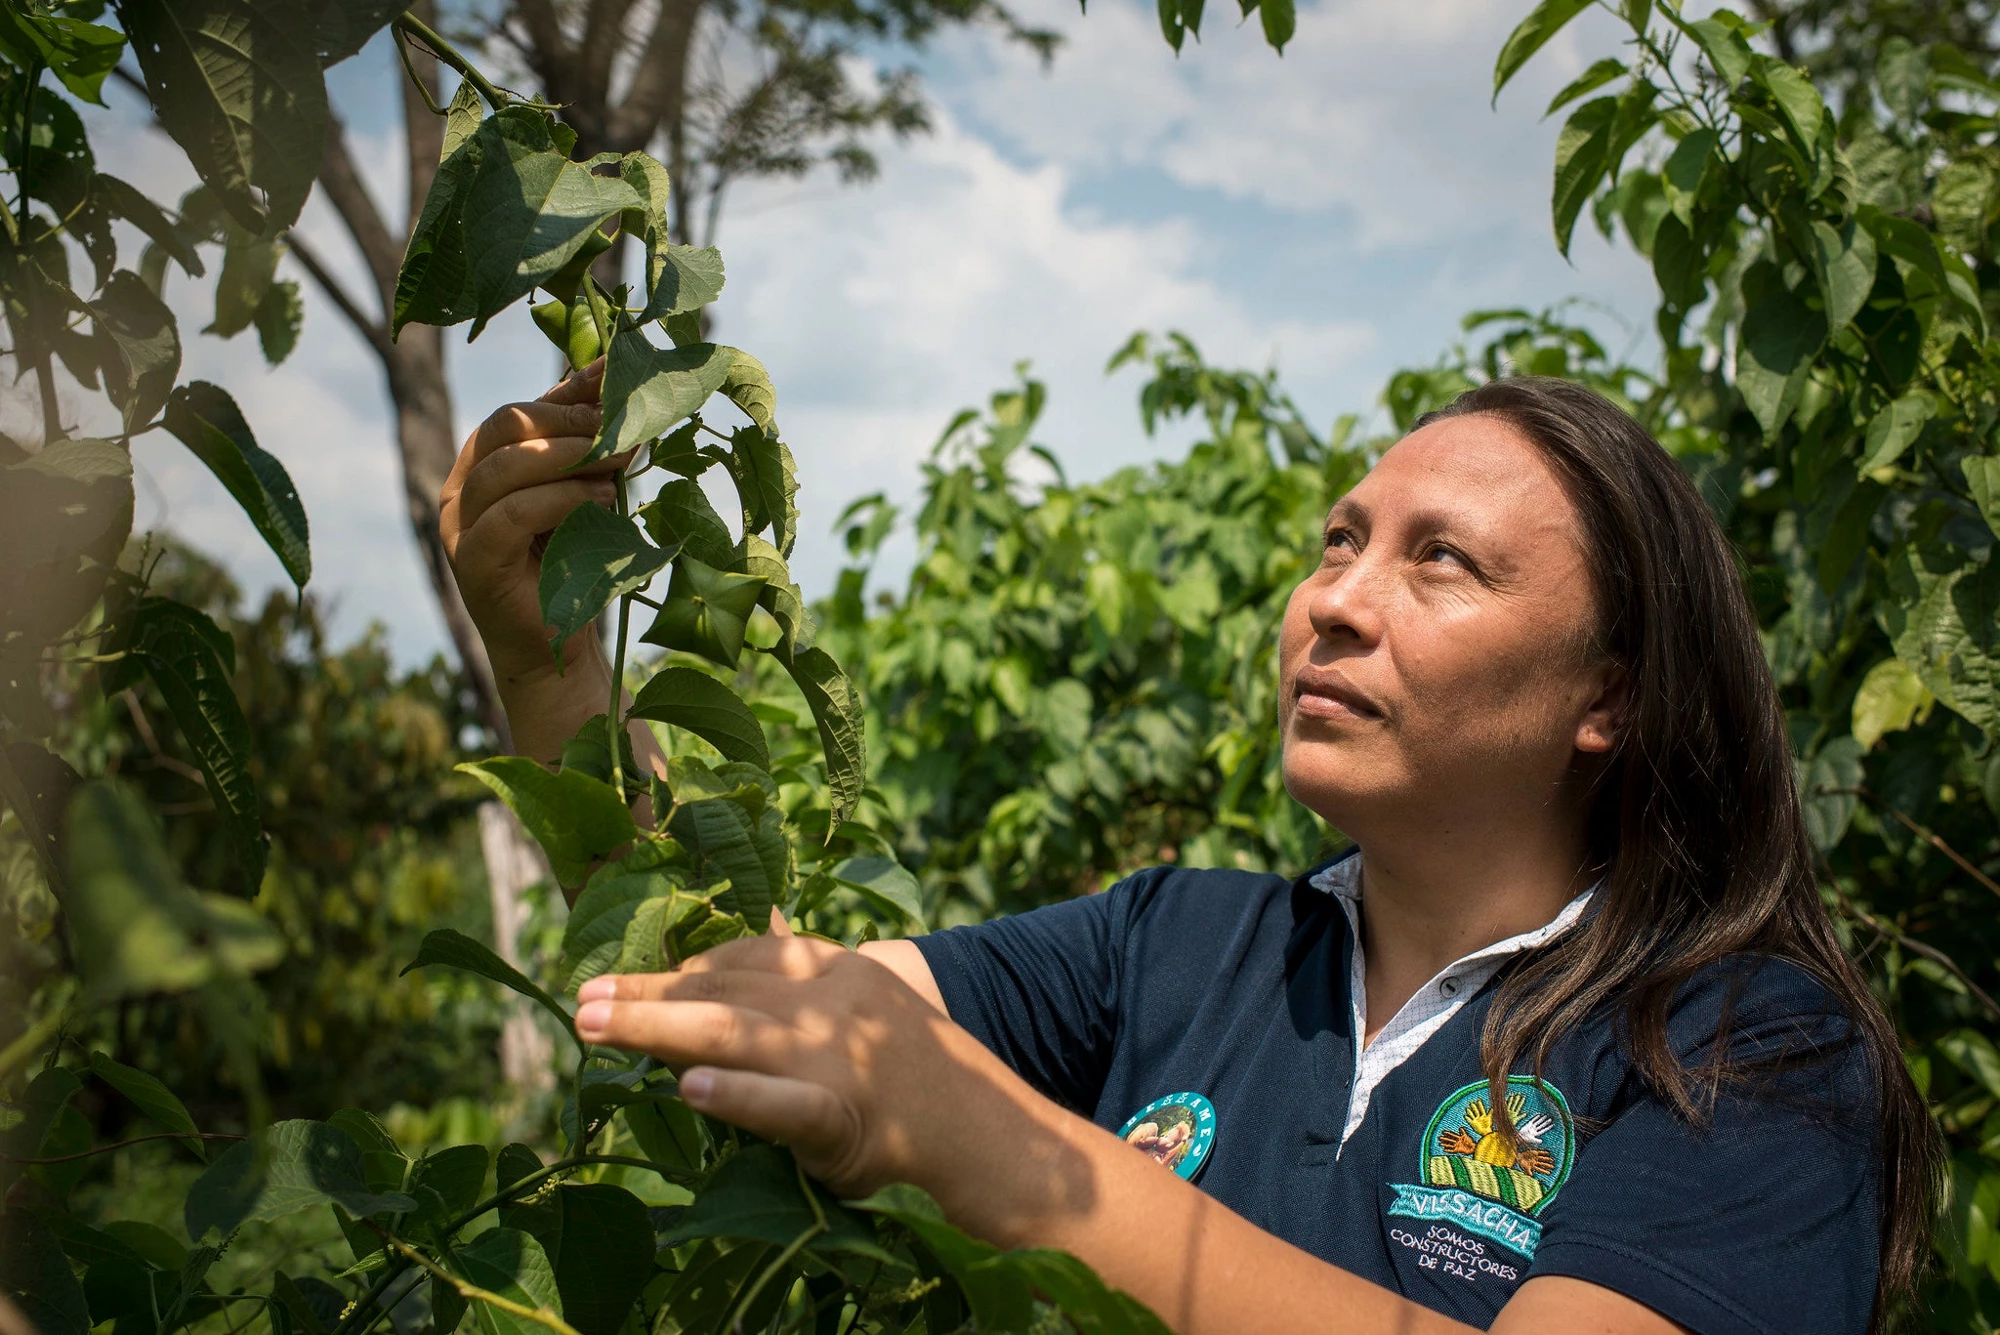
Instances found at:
x=1075 y=681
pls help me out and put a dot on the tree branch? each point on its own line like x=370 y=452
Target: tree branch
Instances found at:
x=136 y=1140
x=659 y=86
x=350 y=198
x=369 y=327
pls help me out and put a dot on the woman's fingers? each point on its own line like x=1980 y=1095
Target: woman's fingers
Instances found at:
x=502 y=534
x=793 y=956
x=527 y=464
x=817 y=1123
x=579 y=386
x=693 y=1033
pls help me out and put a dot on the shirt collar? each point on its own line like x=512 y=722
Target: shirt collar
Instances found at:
x=1342 y=880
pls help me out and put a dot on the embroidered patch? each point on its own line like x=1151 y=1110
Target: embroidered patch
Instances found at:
x=1488 y=1181
x=1176 y=1131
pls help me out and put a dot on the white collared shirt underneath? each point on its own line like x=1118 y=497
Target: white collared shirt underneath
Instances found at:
x=1431 y=1005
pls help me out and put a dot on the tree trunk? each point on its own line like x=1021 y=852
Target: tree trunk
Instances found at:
x=513 y=863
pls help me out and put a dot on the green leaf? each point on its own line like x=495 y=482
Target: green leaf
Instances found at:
x=342 y=27
x=758 y=1194
x=1546 y=20
x=34 y=1271
x=781 y=598
x=1891 y=431
x=1582 y=150
x=510 y=1263
x=127 y=202
x=154 y=1099
x=455 y=950
x=190 y=659
x=434 y=286
x=1798 y=101
x=1678 y=265
x=681 y=516
x=593 y=556
x=576 y=819
x=1780 y=336
x=1890 y=698
x=602 y=1255
x=528 y=209
x=837 y=710
x=1982 y=477
x=461 y=118
x=1729 y=55
x=743 y=843
x=643 y=948
x=138 y=347
x=767 y=484
x=885 y=883
x=647 y=391
x=80 y=54
x=279 y=317
x=706 y=611
x=445 y=1184
x=237 y=84
x=383 y=1164
x=134 y=928
x=284 y=1169
x=669 y=1133
x=1845 y=261
x=684 y=698
x=1592 y=79
x=1974 y=1054
x=682 y=279
x=1943 y=618
x=749 y=387
x=1280 y=20
x=209 y=423
x=598 y=919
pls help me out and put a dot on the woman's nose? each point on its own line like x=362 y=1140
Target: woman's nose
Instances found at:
x=1348 y=603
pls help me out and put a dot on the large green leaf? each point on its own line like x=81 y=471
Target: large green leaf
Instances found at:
x=455 y=950
x=759 y=1194
x=575 y=818
x=1891 y=696
x=138 y=347
x=34 y=1271
x=284 y=1169
x=784 y=600
x=749 y=388
x=445 y=1184
x=434 y=285
x=683 y=279
x=685 y=698
x=598 y=919
x=593 y=556
x=885 y=883
x=209 y=423
x=837 y=710
x=602 y=1254
x=78 y=53
x=342 y=27
x=1278 y=18
x=237 y=84
x=528 y=209
x=190 y=659
x=743 y=843
x=1780 y=335
x=767 y=484
x=134 y=928
x=1533 y=33
x=1828 y=787
x=1845 y=259
x=1892 y=430
x=510 y=1263
x=155 y=1100
x=706 y=611
x=1582 y=153
x=681 y=515
x=1943 y=617
x=1982 y=476
x=648 y=390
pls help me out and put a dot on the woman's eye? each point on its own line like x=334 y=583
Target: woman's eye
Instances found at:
x=1439 y=553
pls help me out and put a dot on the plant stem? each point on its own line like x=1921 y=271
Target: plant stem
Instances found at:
x=735 y=1322
x=136 y=1140
x=613 y=712
x=472 y=1292
x=410 y=25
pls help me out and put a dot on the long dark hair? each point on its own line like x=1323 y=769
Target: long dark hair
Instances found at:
x=1695 y=826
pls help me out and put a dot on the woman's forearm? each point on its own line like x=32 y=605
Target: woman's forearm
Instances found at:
x=1204 y=1269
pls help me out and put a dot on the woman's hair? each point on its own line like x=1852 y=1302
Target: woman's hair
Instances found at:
x=1695 y=825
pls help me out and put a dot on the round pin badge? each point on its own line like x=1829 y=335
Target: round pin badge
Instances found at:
x=1176 y=1132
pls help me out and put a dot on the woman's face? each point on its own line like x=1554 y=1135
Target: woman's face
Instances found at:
x=1438 y=663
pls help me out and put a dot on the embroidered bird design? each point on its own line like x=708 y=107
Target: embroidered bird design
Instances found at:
x=1520 y=1150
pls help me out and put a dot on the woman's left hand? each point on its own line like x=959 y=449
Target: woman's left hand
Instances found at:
x=801 y=1041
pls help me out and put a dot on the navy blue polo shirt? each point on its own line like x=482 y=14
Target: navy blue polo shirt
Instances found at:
x=1234 y=986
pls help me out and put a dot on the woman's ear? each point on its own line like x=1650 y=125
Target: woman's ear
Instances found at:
x=1597 y=731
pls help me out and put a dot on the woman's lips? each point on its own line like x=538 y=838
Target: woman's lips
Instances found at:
x=1317 y=693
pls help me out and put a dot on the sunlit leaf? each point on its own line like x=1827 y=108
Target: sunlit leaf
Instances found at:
x=512 y=1264
x=455 y=950
x=837 y=711
x=1533 y=33
x=209 y=423
x=685 y=698
x=593 y=556
x=647 y=391
x=575 y=818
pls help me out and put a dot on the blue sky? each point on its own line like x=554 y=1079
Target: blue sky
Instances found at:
x=1332 y=212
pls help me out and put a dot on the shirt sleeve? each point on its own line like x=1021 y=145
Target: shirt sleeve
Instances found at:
x=1760 y=1218
x=1040 y=989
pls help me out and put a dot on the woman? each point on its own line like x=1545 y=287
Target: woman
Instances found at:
x=1566 y=1044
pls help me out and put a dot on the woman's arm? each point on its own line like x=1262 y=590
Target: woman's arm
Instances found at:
x=801 y=1041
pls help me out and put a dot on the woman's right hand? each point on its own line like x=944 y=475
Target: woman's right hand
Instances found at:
x=506 y=494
